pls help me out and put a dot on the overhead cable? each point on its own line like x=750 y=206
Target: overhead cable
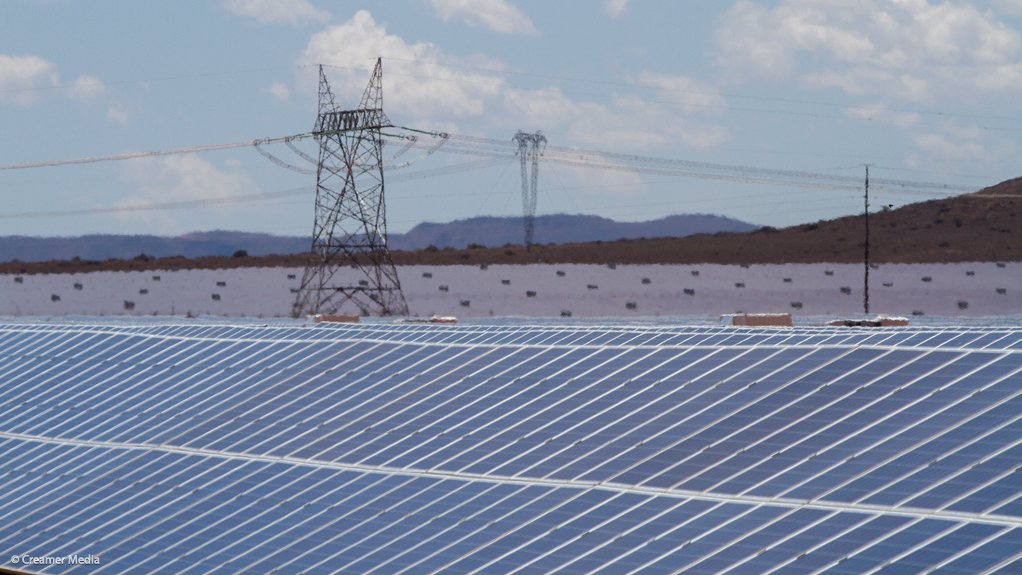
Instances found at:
x=178 y=205
x=153 y=153
x=584 y=158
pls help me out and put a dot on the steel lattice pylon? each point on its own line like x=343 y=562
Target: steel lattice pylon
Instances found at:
x=350 y=229
x=530 y=147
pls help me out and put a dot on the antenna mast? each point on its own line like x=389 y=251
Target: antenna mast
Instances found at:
x=350 y=261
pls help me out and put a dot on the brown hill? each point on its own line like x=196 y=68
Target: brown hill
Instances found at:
x=982 y=226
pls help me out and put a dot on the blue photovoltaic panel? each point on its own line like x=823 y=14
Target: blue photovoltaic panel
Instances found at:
x=503 y=449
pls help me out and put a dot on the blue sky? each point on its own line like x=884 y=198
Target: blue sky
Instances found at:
x=923 y=91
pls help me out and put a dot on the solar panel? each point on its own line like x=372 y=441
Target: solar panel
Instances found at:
x=379 y=448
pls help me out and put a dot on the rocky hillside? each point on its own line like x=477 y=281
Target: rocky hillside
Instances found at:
x=983 y=226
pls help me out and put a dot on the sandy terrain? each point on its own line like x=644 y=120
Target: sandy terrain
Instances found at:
x=578 y=290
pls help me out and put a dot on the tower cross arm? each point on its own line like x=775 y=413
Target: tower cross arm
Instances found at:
x=344 y=120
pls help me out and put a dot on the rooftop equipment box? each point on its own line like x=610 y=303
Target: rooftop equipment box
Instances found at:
x=758 y=319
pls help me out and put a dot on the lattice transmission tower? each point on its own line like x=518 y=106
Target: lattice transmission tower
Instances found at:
x=350 y=261
x=530 y=148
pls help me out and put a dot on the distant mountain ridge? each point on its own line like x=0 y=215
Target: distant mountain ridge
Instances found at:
x=484 y=230
x=106 y=246
x=559 y=229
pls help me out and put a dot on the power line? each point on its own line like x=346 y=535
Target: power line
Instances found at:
x=599 y=159
x=491 y=152
x=152 y=153
x=178 y=205
x=146 y=81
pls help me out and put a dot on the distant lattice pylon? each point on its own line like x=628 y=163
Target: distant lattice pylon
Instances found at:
x=530 y=148
x=350 y=262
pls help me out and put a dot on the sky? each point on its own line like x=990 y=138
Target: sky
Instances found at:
x=765 y=111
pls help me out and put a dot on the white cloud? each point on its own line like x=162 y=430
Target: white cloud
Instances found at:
x=615 y=8
x=87 y=88
x=943 y=146
x=626 y=122
x=497 y=15
x=186 y=177
x=277 y=11
x=1012 y=7
x=687 y=94
x=22 y=78
x=180 y=178
x=939 y=144
x=425 y=83
x=117 y=115
x=426 y=88
x=280 y=91
x=945 y=143
x=25 y=79
x=913 y=50
x=606 y=183
x=883 y=113
x=660 y=124
x=673 y=114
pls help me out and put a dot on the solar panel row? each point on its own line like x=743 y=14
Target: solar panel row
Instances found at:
x=965 y=337
x=380 y=448
x=178 y=512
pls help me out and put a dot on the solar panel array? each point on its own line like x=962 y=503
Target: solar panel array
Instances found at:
x=497 y=449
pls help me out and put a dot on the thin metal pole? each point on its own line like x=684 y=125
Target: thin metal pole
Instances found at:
x=865 y=290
